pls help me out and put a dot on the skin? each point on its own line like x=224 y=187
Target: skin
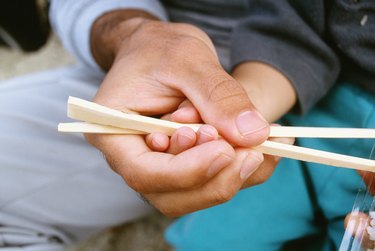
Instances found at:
x=171 y=70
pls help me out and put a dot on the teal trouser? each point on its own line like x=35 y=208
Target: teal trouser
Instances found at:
x=302 y=206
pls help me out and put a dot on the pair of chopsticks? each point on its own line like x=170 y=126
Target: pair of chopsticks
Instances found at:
x=103 y=120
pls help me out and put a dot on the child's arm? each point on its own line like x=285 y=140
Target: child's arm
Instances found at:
x=269 y=90
x=291 y=37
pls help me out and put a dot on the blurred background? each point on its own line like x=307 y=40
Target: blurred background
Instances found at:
x=27 y=44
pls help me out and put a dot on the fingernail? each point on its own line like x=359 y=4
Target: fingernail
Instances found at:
x=207 y=133
x=180 y=111
x=219 y=163
x=249 y=122
x=156 y=141
x=250 y=164
x=184 y=140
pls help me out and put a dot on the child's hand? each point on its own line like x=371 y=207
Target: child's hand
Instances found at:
x=184 y=138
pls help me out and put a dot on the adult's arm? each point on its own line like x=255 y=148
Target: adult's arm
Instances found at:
x=269 y=90
x=73 y=20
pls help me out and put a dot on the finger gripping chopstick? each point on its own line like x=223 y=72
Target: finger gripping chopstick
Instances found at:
x=106 y=120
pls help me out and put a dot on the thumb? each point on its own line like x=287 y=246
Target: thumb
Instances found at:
x=223 y=103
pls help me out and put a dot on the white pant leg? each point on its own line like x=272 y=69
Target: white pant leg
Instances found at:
x=54 y=184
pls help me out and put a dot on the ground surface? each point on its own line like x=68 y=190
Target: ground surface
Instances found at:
x=143 y=235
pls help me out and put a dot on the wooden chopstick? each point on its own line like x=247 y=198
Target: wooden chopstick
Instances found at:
x=94 y=113
x=109 y=119
x=321 y=132
x=85 y=127
x=275 y=132
x=106 y=125
x=316 y=156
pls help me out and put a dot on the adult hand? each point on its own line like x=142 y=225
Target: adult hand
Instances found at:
x=154 y=68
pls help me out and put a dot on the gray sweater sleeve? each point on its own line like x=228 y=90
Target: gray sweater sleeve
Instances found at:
x=72 y=21
x=278 y=34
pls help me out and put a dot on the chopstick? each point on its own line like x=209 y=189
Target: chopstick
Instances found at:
x=316 y=156
x=275 y=132
x=321 y=132
x=142 y=124
x=85 y=127
x=109 y=120
x=94 y=113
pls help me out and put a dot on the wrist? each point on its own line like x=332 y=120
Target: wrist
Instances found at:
x=268 y=89
x=110 y=30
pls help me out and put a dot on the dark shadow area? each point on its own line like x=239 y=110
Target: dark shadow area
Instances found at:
x=24 y=24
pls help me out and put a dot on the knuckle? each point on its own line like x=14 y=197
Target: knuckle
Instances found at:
x=224 y=89
x=223 y=195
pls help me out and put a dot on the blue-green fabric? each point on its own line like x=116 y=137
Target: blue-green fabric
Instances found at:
x=300 y=199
